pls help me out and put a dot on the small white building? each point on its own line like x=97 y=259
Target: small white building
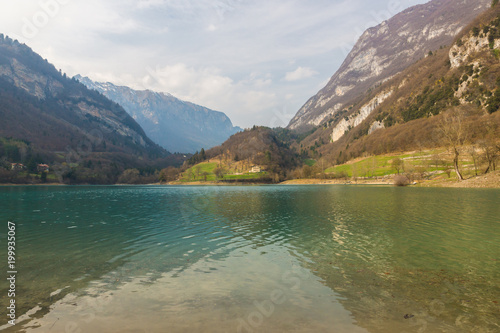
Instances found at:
x=256 y=169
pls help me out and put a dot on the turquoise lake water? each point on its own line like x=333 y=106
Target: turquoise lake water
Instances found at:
x=253 y=259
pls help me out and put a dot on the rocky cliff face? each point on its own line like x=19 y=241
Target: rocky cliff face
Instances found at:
x=354 y=120
x=471 y=54
x=176 y=125
x=471 y=44
x=387 y=50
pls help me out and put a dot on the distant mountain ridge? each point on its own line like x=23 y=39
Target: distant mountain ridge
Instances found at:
x=176 y=125
x=385 y=51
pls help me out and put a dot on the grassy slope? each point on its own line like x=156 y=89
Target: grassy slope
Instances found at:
x=193 y=175
x=429 y=163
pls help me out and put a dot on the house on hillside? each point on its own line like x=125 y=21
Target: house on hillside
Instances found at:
x=256 y=169
x=42 y=168
x=17 y=167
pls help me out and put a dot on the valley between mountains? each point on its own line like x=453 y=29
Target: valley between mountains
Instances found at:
x=415 y=103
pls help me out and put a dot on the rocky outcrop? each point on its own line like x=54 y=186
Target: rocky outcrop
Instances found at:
x=176 y=125
x=376 y=126
x=385 y=51
x=347 y=123
x=467 y=52
x=36 y=84
x=470 y=44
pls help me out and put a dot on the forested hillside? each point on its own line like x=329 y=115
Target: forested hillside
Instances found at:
x=48 y=118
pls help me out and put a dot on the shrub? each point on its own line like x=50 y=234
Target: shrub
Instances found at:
x=401 y=180
x=219 y=173
x=129 y=176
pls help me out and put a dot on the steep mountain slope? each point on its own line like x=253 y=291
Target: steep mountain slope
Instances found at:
x=49 y=118
x=41 y=105
x=174 y=124
x=385 y=51
x=407 y=112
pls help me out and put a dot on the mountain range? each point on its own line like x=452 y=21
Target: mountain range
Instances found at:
x=386 y=50
x=42 y=105
x=403 y=81
x=407 y=111
x=50 y=118
x=176 y=125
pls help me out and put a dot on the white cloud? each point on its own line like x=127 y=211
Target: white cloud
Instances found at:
x=188 y=82
x=299 y=74
x=207 y=86
x=146 y=4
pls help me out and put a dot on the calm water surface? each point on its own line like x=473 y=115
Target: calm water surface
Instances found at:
x=253 y=259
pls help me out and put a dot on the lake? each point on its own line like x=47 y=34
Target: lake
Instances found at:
x=253 y=259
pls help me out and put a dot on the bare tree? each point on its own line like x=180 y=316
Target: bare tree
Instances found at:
x=169 y=174
x=472 y=151
x=307 y=171
x=398 y=165
x=198 y=171
x=129 y=176
x=454 y=134
x=355 y=172
x=436 y=160
x=490 y=146
x=410 y=172
x=491 y=152
x=373 y=167
x=321 y=164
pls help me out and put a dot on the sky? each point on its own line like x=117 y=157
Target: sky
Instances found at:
x=258 y=61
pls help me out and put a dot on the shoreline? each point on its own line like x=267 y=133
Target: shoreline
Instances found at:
x=46 y=184
x=490 y=180
x=372 y=182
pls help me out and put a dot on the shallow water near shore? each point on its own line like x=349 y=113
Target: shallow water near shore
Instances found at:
x=254 y=259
